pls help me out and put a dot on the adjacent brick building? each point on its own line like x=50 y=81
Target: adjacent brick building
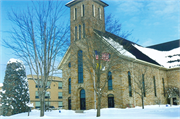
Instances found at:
x=87 y=20
x=53 y=97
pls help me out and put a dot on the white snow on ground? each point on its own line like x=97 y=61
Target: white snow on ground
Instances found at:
x=150 y=112
x=119 y=47
x=162 y=57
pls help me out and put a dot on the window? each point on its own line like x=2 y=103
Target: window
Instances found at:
x=163 y=87
x=48 y=84
x=60 y=104
x=47 y=95
x=79 y=31
x=48 y=103
x=39 y=82
x=37 y=104
x=154 y=86
x=143 y=84
x=99 y=13
x=69 y=65
x=37 y=96
x=59 y=85
x=82 y=10
x=75 y=13
x=37 y=86
x=75 y=32
x=129 y=80
x=59 y=95
x=80 y=66
x=84 y=31
x=69 y=85
x=109 y=80
x=93 y=10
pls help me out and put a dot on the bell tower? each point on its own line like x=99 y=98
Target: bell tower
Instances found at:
x=86 y=15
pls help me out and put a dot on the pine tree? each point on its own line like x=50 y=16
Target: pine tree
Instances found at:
x=15 y=89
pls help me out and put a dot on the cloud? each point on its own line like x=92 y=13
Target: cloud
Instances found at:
x=164 y=7
x=148 y=7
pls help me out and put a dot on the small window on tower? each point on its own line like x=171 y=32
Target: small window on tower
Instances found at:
x=82 y=10
x=75 y=13
x=93 y=10
x=99 y=13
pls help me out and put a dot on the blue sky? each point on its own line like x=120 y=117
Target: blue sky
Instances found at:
x=152 y=21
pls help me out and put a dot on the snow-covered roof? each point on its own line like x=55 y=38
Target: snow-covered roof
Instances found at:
x=131 y=51
x=119 y=47
x=70 y=2
x=168 y=59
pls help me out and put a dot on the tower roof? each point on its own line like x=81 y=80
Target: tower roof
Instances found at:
x=73 y=2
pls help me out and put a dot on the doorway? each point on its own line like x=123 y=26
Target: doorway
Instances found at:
x=110 y=101
x=69 y=103
x=82 y=100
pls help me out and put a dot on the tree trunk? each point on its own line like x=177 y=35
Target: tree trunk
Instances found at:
x=142 y=102
x=42 y=102
x=171 y=101
x=99 y=106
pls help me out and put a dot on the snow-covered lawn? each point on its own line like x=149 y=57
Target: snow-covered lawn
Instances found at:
x=150 y=112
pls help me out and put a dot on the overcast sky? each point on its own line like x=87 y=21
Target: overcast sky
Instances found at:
x=152 y=21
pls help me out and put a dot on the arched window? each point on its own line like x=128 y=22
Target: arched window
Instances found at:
x=84 y=31
x=69 y=85
x=110 y=81
x=154 y=79
x=80 y=66
x=75 y=32
x=79 y=31
x=82 y=10
x=69 y=64
x=163 y=87
x=110 y=101
x=129 y=81
x=143 y=83
x=75 y=13
x=82 y=100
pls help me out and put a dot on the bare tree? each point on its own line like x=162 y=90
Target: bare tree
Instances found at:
x=39 y=36
x=142 y=77
x=172 y=92
x=114 y=26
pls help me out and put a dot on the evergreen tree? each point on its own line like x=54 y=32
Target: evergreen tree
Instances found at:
x=15 y=89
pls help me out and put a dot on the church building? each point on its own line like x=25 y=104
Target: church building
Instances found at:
x=160 y=64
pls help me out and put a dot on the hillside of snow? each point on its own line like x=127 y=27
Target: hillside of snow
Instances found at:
x=168 y=59
x=150 y=112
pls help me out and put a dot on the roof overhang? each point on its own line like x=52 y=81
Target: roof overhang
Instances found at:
x=73 y=2
x=64 y=59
